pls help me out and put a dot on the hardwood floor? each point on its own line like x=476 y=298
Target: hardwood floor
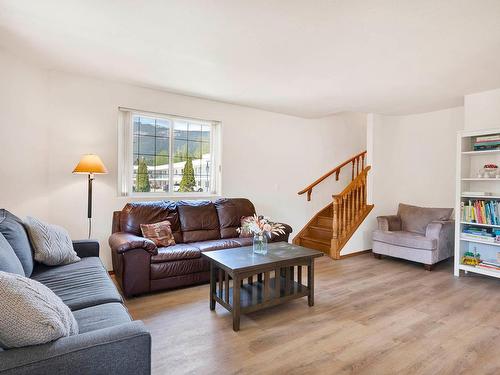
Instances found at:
x=370 y=317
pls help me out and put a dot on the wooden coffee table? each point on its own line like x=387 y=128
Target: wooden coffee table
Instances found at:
x=232 y=267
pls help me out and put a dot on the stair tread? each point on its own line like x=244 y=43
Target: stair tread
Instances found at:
x=321 y=227
x=315 y=239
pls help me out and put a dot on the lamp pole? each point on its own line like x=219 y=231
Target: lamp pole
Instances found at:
x=89 y=202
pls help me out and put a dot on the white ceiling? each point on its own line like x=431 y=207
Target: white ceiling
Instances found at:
x=306 y=58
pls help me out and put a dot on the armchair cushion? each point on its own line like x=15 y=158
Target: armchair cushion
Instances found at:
x=389 y=223
x=405 y=239
x=415 y=219
x=122 y=242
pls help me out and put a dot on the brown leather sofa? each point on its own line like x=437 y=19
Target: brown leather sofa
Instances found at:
x=197 y=226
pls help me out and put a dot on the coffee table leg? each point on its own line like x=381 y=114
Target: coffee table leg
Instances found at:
x=236 y=304
x=310 y=282
x=212 y=285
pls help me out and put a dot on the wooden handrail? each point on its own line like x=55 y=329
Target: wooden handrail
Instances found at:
x=356 y=160
x=349 y=187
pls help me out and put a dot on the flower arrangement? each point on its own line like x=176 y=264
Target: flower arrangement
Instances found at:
x=260 y=225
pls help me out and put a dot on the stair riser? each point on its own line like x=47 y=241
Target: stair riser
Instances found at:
x=315 y=245
x=325 y=222
x=318 y=233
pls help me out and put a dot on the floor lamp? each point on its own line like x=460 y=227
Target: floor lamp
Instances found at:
x=90 y=164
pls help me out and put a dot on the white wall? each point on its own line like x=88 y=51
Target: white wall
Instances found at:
x=23 y=138
x=414 y=158
x=482 y=110
x=413 y=161
x=267 y=157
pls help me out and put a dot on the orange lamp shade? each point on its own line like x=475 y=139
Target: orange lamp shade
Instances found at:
x=90 y=163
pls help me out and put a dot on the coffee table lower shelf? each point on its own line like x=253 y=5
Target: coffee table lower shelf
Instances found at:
x=253 y=296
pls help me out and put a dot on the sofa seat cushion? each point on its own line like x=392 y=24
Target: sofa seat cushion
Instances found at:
x=101 y=316
x=217 y=244
x=176 y=252
x=177 y=268
x=405 y=239
x=82 y=284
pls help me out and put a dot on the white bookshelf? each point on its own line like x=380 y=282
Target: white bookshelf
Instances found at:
x=469 y=163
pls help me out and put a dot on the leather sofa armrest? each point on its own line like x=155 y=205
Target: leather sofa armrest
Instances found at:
x=282 y=237
x=121 y=242
x=434 y=228
x=389 y=223
x=86 y=248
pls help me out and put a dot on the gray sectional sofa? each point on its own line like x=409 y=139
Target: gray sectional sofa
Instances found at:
x=109 y=342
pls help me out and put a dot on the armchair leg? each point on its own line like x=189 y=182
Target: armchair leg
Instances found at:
x=428 y=267
x=377 y=256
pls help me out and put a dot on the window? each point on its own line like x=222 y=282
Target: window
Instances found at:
x=168 y=155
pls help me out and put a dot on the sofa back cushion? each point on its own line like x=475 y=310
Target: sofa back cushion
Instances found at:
x=199 y=221
x=9 y=262
x=136 y=213
x=230 y=212
x=12 y=228
x=415 y=219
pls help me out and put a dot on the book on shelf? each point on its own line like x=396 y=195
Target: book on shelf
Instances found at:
x=467 y=236
x=487 y=267
x=491 y=263
x=480 y=212
x=488 y=138
x=486 y=147
x=478 y=194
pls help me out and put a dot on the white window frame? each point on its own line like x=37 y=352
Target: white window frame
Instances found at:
x=126 y=154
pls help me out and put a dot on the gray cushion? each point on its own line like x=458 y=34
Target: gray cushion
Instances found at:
x=415 y=219
x=9 y=262
x=13 y=230
x=82 y=284
x=405 y=239
x=101 y=316
x=52 y=244
x=31 y=314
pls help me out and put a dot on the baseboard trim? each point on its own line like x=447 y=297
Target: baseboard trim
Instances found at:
x=356 y=254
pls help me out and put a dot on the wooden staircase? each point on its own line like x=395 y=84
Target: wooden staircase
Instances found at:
x=330 y=229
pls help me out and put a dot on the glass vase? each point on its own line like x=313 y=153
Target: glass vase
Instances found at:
x=260 y=244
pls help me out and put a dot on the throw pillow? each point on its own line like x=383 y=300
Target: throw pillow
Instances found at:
x=52 y=243
x=243 y=232
x=160 y=233
x=14 y=232
x=9 y=262
x=31 y=314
